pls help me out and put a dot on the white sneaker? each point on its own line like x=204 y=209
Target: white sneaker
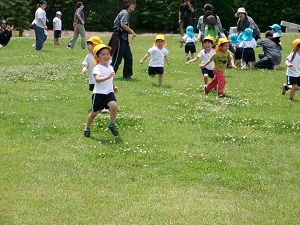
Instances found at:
x=33 y=45
x=105 y=110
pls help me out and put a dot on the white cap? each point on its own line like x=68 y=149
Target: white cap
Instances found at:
x=58 y=13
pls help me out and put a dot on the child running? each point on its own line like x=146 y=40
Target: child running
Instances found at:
x=220 y=58
x=158 y=54
x=104 y=90
x=205 y=55
x=292 y=62
x=190 y=41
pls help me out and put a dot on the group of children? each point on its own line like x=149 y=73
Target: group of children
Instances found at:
x=215 y=60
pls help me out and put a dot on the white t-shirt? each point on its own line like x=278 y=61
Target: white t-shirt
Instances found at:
x=248 y=44
x=188 y=39
x=58 y=23
x=157 y=56
x=89 y=63
x=293 y=71
x=104 y=87
x=40 y=13
x=205 y=56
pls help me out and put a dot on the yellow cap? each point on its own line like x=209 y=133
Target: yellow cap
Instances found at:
x=221 y=41
x=160 y=37
x=95 y=40
x=97 y=48
x=296 y=42
x=210 y=38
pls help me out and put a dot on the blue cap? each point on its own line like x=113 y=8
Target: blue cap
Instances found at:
x=247 y=34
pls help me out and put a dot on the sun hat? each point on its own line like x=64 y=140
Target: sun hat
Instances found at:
x=295 y=43
x=96 y=49
x=3 y=21
x=221 y=41
x=58 y=13
x=210 y=38
x=277 y=28
x=211 y=21
x=160 y=37
x=240 y=10
x=95 y=40
x=234 y=39
x=190 y=31
x=247 y=34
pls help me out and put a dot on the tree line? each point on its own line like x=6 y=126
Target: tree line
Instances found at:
x=149 y=15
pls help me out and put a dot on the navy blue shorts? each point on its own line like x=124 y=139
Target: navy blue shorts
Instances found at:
x=293 y=80
x=190 y=47
x=100 y=101
x=209 y=72
x=155 y=70
x=238 y=53
x=57 y=33
x=248 y=55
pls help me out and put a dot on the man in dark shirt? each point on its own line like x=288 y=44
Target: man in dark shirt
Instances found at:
x=5 y=33
x=185 y=11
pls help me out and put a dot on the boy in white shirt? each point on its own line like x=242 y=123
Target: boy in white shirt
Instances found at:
x=159 y=54
x=205 y=54
x=57 y=24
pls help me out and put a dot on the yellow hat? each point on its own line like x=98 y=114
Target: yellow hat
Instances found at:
x=160 y=37
x=221 y=41
x=95 y=40
x=96 y=49
x=210 y=38
x=295 y=43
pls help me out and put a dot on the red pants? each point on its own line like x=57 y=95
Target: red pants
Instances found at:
x=219 y=80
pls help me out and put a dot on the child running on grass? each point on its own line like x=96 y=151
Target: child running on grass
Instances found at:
x=220 y=59
x=292 y=62
x=104 y=90
x=158 y=54
x=205 y=54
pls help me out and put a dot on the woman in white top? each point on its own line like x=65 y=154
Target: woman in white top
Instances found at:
x=39 y=25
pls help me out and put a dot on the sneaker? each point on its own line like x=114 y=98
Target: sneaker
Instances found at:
x=284 y=89
x=105 y=110
x=68 y=47
x=205 y=91
x=87 y=133
x=221 y=95
x=33 y=46
x=113 y=130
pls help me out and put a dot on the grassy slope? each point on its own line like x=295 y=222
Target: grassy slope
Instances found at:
x=181 y=158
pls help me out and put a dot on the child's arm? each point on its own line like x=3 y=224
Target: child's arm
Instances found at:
x=205 y=64
x=232 y=63
x=101 y=79
x=288 y=63
x=166 y=58
x=84 y=69
x=181 y=43
x=54 y=26
x=144 y=58
x=129 y=30
x=115 y=89
x=192 y=60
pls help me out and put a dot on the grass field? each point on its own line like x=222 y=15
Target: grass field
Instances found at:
x=180 y=158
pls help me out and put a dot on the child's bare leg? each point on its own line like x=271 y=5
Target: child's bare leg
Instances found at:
x=192 y=55
x=250 y=65
x=91 y=117
x=205 y=77
x=293 y=90
x=113 y=107
x=238 y=63
x=160 y=78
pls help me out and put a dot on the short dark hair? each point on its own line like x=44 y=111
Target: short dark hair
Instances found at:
x=79 y=4
x=127 y=3
x=208 y=7
x=268 y=34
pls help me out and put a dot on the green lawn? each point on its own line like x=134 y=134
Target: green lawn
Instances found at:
x=180 y=158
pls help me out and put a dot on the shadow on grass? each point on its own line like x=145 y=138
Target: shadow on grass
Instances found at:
x=126 y=79
x=108 y=141
x=163 y=86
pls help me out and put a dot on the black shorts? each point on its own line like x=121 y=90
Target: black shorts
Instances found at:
x=155 y=70
x=190 y=47
x=238 y=53
x=293 y=80
x=209 y=72
x=57 y=33
x=100 y=101
x=184 y=23
x=248 y=55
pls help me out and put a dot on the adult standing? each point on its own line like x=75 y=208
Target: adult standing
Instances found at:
x=78 y=24
x=119 y=40
x=5 y=33
x=202 y=22
x=184 y=15
x=245 y=22
x=39 y=25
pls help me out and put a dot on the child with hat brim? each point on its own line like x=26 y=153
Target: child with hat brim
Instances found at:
x=190 y=40
x=158 y=54
x=248 y=44
x=205 y=54
x=292 y=63
x=220 y=58
x=104 y=90
x=57 y=24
